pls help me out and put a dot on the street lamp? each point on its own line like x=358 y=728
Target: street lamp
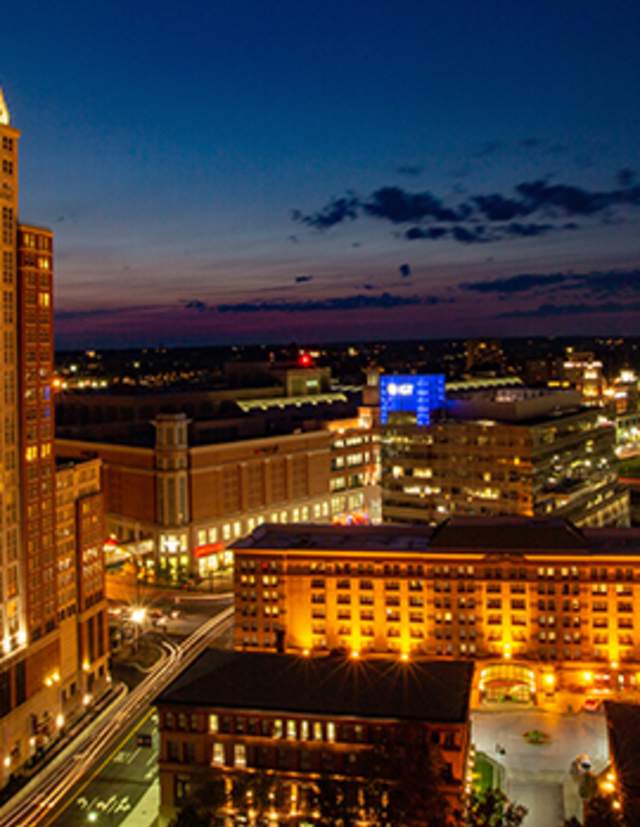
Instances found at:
x=138 y=617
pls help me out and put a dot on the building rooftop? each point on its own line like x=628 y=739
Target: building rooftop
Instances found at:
x=516 y=405
x=63 y=462
x=509 y=534
x=337 y=538
x=623 y=723
x=477 y=535
x=436 y=691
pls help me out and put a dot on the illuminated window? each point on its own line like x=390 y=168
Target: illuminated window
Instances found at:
x=331 y=731
x=213 y=724
x=277 y=728
x=239 y=755
x=291 y=729
x=226 y=531
x=304 y=730
x=31 y=453
x=237 y=528
x=218 y=754
x=317 y=731
x=213 y=535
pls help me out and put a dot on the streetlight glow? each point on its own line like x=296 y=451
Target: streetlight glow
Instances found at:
x=138 y=615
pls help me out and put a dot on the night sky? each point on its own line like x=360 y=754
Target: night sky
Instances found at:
x=222 y=172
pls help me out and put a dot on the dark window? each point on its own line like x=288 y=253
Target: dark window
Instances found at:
x=5 y=694
x=90 y=633
x=101 y=634
x=21 y=682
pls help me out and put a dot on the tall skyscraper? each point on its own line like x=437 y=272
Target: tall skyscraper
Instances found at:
x=39 y=671
x=13 y=626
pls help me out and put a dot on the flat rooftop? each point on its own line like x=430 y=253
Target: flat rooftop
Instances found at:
x=477 y=535
x=435 y=691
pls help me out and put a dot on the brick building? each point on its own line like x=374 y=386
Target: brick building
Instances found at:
x=194 y=487
x=83 y=605
x=37 y=613
x=295 y=720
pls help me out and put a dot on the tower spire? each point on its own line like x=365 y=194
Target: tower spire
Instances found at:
x=5 y=117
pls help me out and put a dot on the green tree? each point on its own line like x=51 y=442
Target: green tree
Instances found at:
x=493 y=809
x=600 y=813
x=254 y=792
x=588 y=786
x=336 y=802
x=207 y=798
x=404 y=782
x=190 y=816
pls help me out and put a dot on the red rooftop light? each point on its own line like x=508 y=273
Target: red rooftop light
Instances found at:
x=305 y=360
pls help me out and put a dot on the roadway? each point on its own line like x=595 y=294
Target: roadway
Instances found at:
x=42 y=799
x=121 y=787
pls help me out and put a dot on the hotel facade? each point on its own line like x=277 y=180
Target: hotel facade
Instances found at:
x=540 y=605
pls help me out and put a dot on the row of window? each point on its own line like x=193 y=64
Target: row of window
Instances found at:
x=547 y=575
x=237 y=528
x=290 y=729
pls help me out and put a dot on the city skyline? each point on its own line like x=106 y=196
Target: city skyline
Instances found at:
x=232 y=177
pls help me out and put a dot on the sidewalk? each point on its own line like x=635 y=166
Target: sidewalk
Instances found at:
x=145 y=813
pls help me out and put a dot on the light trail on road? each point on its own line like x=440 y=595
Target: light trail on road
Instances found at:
x=54 y=783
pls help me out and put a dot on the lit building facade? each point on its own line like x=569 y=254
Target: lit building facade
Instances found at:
x=82 y=602
x=193 y=498
x=34 y=581
x=503 y=451
x=530 y=599
x=584 y=372
x=292 y=722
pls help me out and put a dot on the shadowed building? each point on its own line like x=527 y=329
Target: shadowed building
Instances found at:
x=297 y=721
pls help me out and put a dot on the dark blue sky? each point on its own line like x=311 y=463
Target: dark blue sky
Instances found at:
x=168 y=145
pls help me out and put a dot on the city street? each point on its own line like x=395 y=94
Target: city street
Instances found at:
x=538 y=775
x=39 y=800
x=115 y=794
x=126 y=791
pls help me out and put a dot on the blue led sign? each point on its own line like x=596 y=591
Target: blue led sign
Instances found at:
x=411 y=393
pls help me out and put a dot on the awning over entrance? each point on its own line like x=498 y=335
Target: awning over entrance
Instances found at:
x=507 y=681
